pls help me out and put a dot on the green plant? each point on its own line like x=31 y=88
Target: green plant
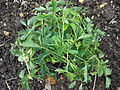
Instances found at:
x=59 y=39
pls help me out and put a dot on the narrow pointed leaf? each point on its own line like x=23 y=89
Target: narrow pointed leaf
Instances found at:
x=54 y=5
x=80 y=87
x=72 y=84
x=108 y=81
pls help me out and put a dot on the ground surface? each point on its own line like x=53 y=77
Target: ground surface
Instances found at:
x=106 y=18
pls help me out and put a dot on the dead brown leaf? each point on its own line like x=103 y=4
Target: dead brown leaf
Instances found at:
x=117 y=88
x=48 y=81
x=51 y=80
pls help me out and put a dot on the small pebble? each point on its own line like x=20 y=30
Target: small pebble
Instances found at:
x=40 y=81
x=108 y=35
x=4 y=24
x=117 y=37
x=111 y=45
x=1 y=59
x=21 y=14
x=3 y=76
x=111 y=2
x=6 y=3
x=6 y=33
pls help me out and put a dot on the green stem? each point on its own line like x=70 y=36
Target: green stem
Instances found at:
x=27 y=66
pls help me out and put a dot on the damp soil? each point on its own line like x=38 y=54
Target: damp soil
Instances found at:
x=106 y=18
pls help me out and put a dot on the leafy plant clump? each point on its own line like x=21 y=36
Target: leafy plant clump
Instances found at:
x=60 y=40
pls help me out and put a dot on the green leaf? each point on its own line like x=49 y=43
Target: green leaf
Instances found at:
x=66 y=22
x=48 y=4
x=23 y=22
x=15 y=52
x=77 y=8
x=61 y=2
x=29 y=43
x=73 y=26
x=62 y=49
x=24 y=36
x=72 y=84
x=54 y=5
x=93 y=73
x=66 y=68
x=36 y=25
x=44 y=70
x=29 y=77
x=80 y=87
x=100 y=32
x=41 y=58
x=42 y=16
x=73 y=51
x=20 y=58
x=57 y=38
x=101 y=55
x=60 y=70
x=108 y=82
x=65 y=13
x=71 y=76
x=100 y=71
x=38 y=77
x=73 y=66
x=85 y=73
x=106 y=61
x=65 y=27
x=31 y=65
x=72 y=12
x=107 y=71
x=53 y=60
x=22 y=73
x=40 y=8
x=22 y=32
x=84 y=36
x=31 y=20
x=33 y=72
x=88 y=19
x=25 y=84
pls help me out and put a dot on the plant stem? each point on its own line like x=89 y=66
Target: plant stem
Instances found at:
x=27 y=66
x=94 y=83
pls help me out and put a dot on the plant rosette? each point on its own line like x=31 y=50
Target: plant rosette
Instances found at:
x=60 y=39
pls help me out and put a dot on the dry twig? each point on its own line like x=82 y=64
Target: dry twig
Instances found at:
x=7 y=85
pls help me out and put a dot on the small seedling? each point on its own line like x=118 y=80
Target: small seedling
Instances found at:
x=60 y=40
